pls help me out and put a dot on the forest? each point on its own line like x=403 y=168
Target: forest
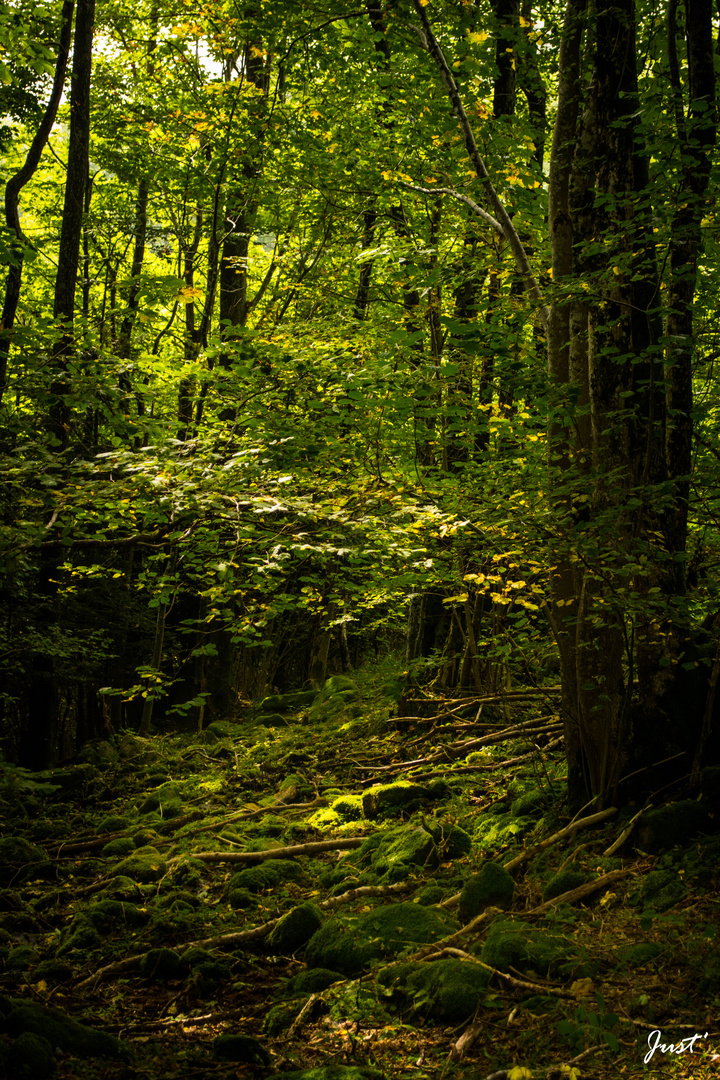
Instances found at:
x=359 y=474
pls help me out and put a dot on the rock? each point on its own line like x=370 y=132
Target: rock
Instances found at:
x=349 y=807
x=295 y=928
x=451 y=989
x=122 y=888
x=272 y=720
x=20 y=859
x=431 y=895
x=21 y=958
x=115 y=915
x=240 y=898
x=116 y=849
x=161 y=965
x=389 y=798
x=144 y=865
x=454 y=845
x=564 y=881
x=516 y=944
x=281 y=1017
x=266 y=875
x=81 y=936
x=30 y=1057
x=133 y=748
x=314 y=981
x=60 y=1030
x=347 y=944
x=673 y=825
x=493 y=886
x=113 y=823
x=291 y=702
x=399 y=850
x=241 y=1048
x=662 y=889
x=338 y=699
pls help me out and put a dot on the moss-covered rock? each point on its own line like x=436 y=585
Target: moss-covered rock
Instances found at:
x=161 y=965
x=53 y=972
x=391 y=798
x=295 y=928
x=349 y=807
x=455 y=843
x=272 y=719
x=60 y=1030
x=134 y=749
x=240 y=898
x=118 y=848
x=347 y=944
x=496 y=831
x=402 y=849
x=164 y=801
x=113 y=823
x=673 y=825
x=144 y=865
x=290 y=702
x=565 y=881
x=448 y=989
x=339 y=699
x=21 y=958
x=266 y=875
x=241 y=1048
x=81 y=936
x=30 y=1057
x=492 y=886
x=121 y=887
x=115 y=915
x=662 y=889
x=314 y=981
x=430 y=895
x=281 y=1017
x=513 y=943
x=19 y=859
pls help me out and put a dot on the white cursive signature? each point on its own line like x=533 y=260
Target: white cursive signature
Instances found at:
x=670 y=1048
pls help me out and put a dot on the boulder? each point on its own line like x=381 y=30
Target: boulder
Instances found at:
x=295 y=928
x=492 y=886
x=512 y=943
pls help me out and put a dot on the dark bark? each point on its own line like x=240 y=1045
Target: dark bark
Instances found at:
x=74 y=205
x=17 y=182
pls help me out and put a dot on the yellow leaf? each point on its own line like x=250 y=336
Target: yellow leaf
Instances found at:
x=617 y=270
x=477 y=38
x=582 y=987
x=519 y=1073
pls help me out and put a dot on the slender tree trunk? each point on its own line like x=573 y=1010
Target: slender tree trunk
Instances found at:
x=71 y=232
x=17 y=182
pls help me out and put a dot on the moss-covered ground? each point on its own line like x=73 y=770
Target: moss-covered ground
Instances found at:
x=311 y=897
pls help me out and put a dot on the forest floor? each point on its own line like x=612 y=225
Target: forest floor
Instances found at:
x=143 y=895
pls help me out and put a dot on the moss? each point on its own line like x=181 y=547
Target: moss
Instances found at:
x=145 y=837
x=399 y=850
x=266 y=875
x=52 y=971
x=240 y=1048
x=347 y=944
x=31 y=1057
x=349 y=807
x=19 y=858
x=114 y=823
x=496 y=831
x=662 y=889
x=564 y=881
x=451 y=989
x=339 y=699
x=122 y=888
x=61 y=1031
x=21 y=958
x=331 y=1072
x=114 y=914
x=118 y=848
x=493 y=886
x=240 y=898
x=391 y=798
x=430 y=895
x=82 y=936
x=281 y=1017
x=295 y=928
x=513 y=943
x=456 y=844
x=529 y=804
x=145 y=865
x=314 y=981
x=633 y=956
x=673 y=825
x=161 y=965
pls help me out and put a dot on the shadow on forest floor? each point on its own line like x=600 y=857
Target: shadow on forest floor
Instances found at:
x=321 y=889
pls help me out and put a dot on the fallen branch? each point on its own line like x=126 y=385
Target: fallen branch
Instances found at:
x=572 y=895
x=569 y=830
x=311 y=848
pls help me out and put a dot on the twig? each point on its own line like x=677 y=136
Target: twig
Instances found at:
x=573 y=827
